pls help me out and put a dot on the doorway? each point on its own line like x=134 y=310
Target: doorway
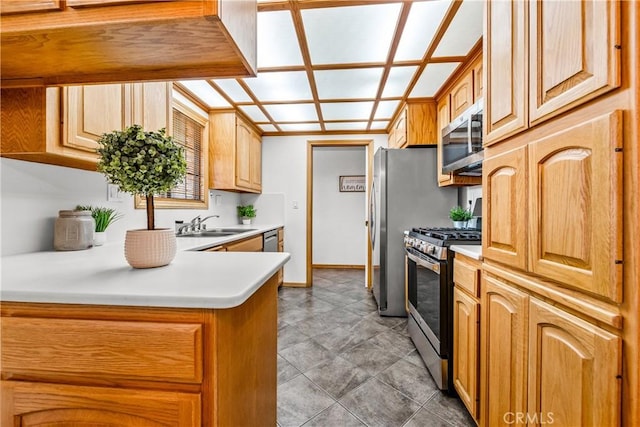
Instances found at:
x=368 y=159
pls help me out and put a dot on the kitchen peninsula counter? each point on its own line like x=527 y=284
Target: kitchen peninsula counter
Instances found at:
x=86 y=338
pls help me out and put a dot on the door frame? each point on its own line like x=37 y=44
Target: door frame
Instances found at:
x=311 y=144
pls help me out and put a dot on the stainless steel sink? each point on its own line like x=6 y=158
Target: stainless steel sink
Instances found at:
x=216 y=232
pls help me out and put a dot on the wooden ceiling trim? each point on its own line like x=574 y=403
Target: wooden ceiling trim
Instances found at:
x=326 y=132
x=296 y=15
x=177 y=86
x=397 y=35
x=446 y=59
x=318 y=4
x=223 y=94
x=257 y=102
x=444 y=25
x=283 y=68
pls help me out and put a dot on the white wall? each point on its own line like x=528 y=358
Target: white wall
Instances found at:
x=31 y=195
x=339 y=235
x=284 y=170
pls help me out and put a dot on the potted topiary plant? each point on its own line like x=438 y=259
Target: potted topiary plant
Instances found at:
x=144 y=163
x=459 y=216
x=246 y=213
x=103 y=217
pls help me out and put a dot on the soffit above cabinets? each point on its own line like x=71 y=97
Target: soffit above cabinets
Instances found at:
x=346 y=66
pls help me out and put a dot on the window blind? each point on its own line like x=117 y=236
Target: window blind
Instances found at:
x=188 y=133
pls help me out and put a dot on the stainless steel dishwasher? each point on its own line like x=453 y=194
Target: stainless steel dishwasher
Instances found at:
x=270 y=242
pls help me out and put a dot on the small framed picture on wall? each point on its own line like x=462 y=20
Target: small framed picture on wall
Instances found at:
x=352 y=184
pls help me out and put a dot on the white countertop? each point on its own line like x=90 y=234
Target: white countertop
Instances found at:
x=472 y=251
x=101 y=275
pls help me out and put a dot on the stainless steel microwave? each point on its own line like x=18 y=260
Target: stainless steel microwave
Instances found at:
x=462 y=143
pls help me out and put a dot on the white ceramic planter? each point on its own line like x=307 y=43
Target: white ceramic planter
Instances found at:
x=246 y=221
x=149 y=248
x=99 y=238
x=459 y=224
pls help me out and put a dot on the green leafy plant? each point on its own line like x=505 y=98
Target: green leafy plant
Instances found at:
x=141 y=162
x=458 y=213
x=247 y=211
x=103 y=217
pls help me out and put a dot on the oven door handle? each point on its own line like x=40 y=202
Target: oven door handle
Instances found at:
x=433 y=266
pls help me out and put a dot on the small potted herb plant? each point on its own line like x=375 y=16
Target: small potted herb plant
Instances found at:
x=103 y=217
x=144 y=163
x=459 y=216
x=246 y=213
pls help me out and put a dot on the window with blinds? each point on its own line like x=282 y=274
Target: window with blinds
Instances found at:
x=188 y=133
x=189 y=129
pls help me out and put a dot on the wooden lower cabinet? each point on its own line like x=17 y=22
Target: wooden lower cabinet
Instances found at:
x=76 y=365
x=40 y=404
x=252 y=244
x=466 y=319
x=542 y=365
x=574 y=369
x=503 y=352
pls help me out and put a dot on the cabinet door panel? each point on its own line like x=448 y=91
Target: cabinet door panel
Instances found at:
x=444 y=118
x=573 y=370
x=466 y=320
x=243 y=150
x=38 y=404
x=255 y=162
x=503 y=354
x=504 y=177
x=462 y=95
x=24 y=6
x=573 y=56
x=91 y=111
x=576 y=207
x=152 y=106
x=505 y=69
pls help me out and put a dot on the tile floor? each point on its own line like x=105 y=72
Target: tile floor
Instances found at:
x=341 y=365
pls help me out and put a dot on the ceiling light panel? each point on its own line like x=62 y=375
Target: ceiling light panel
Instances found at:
x=300 y=127
x=203 y=90
x=346 y=110
x=233 y=90
x=268 y=128
x=348 y=84
x=464 y=31
x=379 y=125
x=386 y=109
x=280 y=86
x=254 y=113
x=422 y=23
x=292 y=112
x=277 y=41
x=397 y=81
x=350 y=34
x=432 y=79
x=347 y=126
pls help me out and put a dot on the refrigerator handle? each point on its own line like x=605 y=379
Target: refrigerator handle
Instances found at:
x=372 y=215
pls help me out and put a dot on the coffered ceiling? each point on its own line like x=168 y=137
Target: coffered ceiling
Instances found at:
x=345 y=66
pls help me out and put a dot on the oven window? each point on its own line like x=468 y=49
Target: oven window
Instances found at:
x=428 y=298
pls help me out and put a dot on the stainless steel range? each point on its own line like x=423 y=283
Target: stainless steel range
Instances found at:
x=430 y=295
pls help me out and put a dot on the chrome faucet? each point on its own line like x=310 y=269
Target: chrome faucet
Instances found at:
x=196 y=225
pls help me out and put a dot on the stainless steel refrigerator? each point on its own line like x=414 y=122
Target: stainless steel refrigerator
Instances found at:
x=405 y=194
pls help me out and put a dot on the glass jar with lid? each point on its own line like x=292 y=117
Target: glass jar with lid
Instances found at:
x=73 y=231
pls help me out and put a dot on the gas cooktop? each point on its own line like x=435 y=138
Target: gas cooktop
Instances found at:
x=447 y=236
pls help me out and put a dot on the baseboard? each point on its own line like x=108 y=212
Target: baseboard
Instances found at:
x=338 y=266
x=295 y=285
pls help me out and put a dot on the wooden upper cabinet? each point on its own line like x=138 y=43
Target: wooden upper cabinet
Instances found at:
x=152 y=105
x=462 y=95
x=90 y=111
x=545 y=57
x=505 y=208
x=26 y=6
x=574 y=369
x=478 y=80
x=573 y=54
x=416 y=124
x=575 y=179
x=106 y=41
x=505 y=69
x=503 y=351
x=235 y=155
